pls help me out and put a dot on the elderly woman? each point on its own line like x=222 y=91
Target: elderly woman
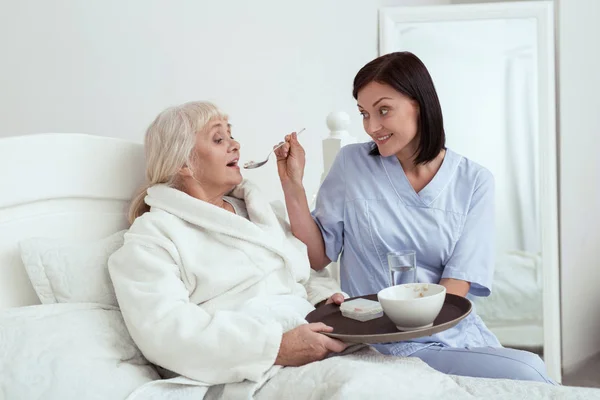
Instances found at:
x=210 y=280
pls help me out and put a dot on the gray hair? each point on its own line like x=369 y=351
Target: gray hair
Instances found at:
x=169 y=145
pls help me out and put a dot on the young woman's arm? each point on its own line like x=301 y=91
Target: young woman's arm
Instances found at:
x=322 y=236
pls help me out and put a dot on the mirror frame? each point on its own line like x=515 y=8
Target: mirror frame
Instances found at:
x=543 y=13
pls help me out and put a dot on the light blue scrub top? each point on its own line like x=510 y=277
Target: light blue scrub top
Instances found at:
x=366 y=207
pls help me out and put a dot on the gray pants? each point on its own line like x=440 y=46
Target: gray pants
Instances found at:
x=486 y=362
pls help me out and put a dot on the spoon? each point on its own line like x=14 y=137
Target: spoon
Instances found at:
x=255 y=164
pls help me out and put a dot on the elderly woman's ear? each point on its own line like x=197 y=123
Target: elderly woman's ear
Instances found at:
x=186 y=172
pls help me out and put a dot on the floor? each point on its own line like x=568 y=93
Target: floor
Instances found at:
x=587 y=374
x=584 y=375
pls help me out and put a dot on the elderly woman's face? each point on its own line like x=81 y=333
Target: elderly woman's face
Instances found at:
x=217 y=156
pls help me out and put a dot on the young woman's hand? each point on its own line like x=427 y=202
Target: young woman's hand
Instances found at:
x=291 y=161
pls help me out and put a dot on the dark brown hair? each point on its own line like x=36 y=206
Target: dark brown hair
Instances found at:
x=407 y=74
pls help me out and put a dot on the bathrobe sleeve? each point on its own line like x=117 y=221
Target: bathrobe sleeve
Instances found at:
x=177 y=334
x=472 y=259
x=321 y=286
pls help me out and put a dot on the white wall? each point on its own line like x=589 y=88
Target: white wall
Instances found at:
x=579 y=85
x=108 y=67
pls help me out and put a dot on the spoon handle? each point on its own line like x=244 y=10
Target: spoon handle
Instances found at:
x=278 y=146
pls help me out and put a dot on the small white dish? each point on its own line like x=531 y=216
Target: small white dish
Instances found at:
x=361 y=309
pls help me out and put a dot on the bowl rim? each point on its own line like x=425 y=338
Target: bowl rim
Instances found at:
x=415 y=298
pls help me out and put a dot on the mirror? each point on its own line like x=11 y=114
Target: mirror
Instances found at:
x=494 y=78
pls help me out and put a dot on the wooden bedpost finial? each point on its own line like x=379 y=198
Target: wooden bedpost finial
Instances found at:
x=338 y=123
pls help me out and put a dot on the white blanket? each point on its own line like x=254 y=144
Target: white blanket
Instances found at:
x=68 y=351
x=506 y=389
x=364 y=374
x=83 y=351
x=361 y=375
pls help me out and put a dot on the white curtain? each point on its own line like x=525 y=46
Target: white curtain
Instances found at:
x=523 y=145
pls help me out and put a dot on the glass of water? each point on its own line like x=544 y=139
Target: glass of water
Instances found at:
x=403 y=267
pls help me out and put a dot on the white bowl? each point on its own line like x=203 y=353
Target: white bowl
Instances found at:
x=412 y=306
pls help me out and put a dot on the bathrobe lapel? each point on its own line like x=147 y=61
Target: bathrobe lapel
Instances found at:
x=263 y=230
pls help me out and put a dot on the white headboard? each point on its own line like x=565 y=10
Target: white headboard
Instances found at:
x=60 y=186
x=78 y=186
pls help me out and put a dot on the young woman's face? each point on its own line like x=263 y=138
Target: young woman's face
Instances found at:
x=390 y=118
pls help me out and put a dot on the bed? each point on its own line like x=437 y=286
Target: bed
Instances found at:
x=62 y=213
x=514 y=310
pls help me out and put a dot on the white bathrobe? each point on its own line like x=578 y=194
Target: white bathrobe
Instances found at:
x=208 y=294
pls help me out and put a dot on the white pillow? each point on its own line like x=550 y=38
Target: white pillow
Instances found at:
x=69 y=351
x=71 y=271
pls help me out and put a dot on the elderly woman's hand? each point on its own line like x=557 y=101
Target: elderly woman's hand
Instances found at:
x=337 y=298
x=304 y=344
